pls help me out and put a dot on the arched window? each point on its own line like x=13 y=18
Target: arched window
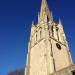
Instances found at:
x=47 y=19
x=36 y=37
x=40 y=34
x=73 y=72
x=56 y=29
x=52 y=30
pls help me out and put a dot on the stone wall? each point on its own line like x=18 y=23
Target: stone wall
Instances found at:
x=66 y=71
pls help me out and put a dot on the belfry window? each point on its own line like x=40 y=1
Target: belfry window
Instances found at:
x=36 y=37
x=52 y=31
x=47 y=19
x=40 y=33
x=56 y=29
x=73 y=72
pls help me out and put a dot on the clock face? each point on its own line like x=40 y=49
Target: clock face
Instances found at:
x=58 y=46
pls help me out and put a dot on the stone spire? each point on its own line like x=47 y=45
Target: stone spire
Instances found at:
x=60 y=26
x=60 y=21
x=44 y=12
x=38 y=17
x=33 y=28
x=61 y=34
x=51 y=16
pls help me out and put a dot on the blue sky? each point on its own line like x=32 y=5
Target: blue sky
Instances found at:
x=15 y=22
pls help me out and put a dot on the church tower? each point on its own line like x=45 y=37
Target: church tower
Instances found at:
x=48 y=50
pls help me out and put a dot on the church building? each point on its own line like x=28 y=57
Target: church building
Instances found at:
x=48 y=51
